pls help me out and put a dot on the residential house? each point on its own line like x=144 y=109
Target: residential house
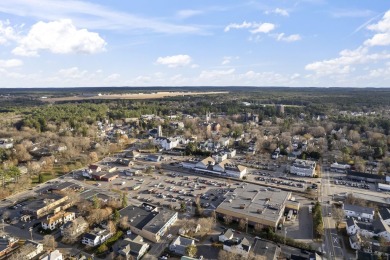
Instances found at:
x=96 y=237
x=74 y=228
x=266 y=249
x=224 y=141
x=352 y=227
x=153 y=158
x=237 y=246
x=30 y=249
x=6 y=143
x=219 y=156
x=359 y=212
x=95 y=168
x=124 y=162
x=133 y=248
x=355 y=241
x=52 y=222
x=132 y=154
x=54 y=255
x=179 y=245
x=227 y=235
x=194 y=229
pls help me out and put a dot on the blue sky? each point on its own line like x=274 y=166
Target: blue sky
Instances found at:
x=319 y=43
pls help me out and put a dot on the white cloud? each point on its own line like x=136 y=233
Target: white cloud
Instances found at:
x=382 y=29
x=175 y=61
x=243 y=25
x=90 y=15
x=11 y=63
x=184 y=14
x=288 y=38
x=7 y=32
x=348 y=59
x=59 y=37
x=72 y=73
x=215 y=74
x=227 y=59
x=255 y=27
x=348 y=13
x=112 y=77
x=279 y=11
x=263 y=28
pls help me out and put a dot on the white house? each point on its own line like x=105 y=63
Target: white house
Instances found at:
x=135 y=248
x=352 y=227
x=96 y=237
x=179 y=245
x=359 y=212
x=52 y=222
x=220 y=156
x=303 y=168
x=166 y=143
x=227 y=235
x=237 y=246
x=354 y=241
x=6 y=143
x=54 y=255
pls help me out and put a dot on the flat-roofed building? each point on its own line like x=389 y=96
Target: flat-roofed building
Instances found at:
x=149 y=221
x=48 y=203
x=255 y=204
x=303 y=168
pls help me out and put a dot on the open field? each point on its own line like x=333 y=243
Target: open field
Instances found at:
x=133 y=96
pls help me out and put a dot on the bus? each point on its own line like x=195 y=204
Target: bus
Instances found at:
x=290 y=214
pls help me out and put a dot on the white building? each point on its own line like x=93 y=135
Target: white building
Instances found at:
x=237 y=246
x=227 y=235
x=55 y=255
x=96 y=237
x=166 y=143
x=303 y=168
x=52 y=222
x=335 y=167
x=359 y=212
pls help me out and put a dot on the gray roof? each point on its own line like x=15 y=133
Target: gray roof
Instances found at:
x=228 y=233
x=358 y=209
x=385 y=213
x=132 y=247
x=350 y=222
x=182 y=241
x=255 y=202
x=268 y=249
x=379 y=226
x=150 y=219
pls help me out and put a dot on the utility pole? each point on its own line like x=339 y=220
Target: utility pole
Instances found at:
x=31 y=230
x=246 y=225
x=285 y=234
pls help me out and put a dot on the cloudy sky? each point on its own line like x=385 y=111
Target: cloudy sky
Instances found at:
x=72 y=43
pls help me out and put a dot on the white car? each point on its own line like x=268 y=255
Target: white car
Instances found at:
x=123 y=182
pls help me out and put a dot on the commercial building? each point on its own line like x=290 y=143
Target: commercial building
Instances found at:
x=48 y=203
x=255 y=204
x=149 y=221
x=303 y=168
x=209 y=166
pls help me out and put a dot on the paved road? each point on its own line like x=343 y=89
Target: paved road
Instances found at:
x=332 y=240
